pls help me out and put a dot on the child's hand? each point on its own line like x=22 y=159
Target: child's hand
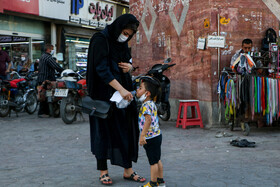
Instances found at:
x=142 y=140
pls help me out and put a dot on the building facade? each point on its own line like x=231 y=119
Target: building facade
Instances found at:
x=26 y=25
x=174 y=28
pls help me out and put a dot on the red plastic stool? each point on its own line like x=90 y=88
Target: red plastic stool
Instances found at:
x=185 y=121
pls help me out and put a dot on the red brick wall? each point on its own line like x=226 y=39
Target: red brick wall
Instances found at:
x=195 y=76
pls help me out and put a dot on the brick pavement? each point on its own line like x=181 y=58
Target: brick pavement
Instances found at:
x=46 y=152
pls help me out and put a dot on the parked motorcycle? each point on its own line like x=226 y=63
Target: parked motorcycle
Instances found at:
x=17 y=94
x=162 y=101
x=46 y=93
x=71 y=90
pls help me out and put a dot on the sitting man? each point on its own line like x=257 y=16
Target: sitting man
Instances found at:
x=246 y=47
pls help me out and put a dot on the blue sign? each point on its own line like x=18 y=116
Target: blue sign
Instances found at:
x=76 y=5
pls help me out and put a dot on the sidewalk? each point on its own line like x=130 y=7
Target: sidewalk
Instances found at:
x=46 y=152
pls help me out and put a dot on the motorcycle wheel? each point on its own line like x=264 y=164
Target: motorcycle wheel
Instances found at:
x=166 y=114
x=4 y=109
x=67 y=115
x=31 y=103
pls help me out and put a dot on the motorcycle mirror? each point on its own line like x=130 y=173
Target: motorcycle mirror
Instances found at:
x=167 y=60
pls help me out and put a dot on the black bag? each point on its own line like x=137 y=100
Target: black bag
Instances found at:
x=96 y=108
x=270 y=37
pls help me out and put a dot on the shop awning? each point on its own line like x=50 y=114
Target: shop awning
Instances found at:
x=78 y=31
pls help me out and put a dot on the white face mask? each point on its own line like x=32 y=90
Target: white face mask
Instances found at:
x=142 y=98
x=22 y=58
x=52 y=52
x=122 y=38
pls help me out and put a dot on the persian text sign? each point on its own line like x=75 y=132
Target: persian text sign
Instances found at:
x=93 y=13
x=216 y=41
x=101 y=14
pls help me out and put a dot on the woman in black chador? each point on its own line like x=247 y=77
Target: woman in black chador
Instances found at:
x=108 y=70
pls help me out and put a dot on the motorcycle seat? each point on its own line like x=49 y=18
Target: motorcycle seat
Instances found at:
x=13 y=83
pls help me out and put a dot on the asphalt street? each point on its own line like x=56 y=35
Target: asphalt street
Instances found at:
x=46 y=152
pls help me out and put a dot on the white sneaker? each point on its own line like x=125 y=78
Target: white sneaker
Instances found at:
x=161 y=184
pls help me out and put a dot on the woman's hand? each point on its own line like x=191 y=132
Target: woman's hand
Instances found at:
x=126 y=94
x=126 y=67
x=142 y=140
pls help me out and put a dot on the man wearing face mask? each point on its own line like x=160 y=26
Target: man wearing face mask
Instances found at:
x=21 y=63
x=47 y=67
x=108 y=70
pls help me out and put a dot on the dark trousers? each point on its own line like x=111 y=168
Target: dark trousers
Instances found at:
x=102 y=164
x=43 y=108
x=43 y=105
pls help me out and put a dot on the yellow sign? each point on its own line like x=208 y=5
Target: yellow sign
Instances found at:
x=224 y=21
x=206 y=23
x=123 y=11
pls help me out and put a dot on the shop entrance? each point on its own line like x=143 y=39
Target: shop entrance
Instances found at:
x=18 y=46
x=76 y=52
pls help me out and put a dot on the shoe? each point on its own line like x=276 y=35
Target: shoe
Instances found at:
x=226 y=134
x=43 y=116
x=148 y=185
x=161 y=184
x=219 y=134
x=105 y=180
x=223 y=134
x=131 y=177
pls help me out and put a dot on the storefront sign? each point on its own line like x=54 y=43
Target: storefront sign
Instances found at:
x=76 y=5
x=101 y=14
x=22 y=6
x=84 y=21
x=216 y=41
x=6 y=39
x=56 y=9
x=19 y=39
x=74 y=19
x=93 y=13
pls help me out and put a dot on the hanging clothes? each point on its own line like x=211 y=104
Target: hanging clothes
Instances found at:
x=270 y=101
x=267 y=101
x=259 y=94
x=256 y=95
x=251 y=91
x=263 y=96
x=230 y=100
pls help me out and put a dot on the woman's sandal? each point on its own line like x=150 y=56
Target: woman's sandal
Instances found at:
x=131 y=177
x=105 y=181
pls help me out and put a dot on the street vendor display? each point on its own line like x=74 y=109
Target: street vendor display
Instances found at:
x=250 y=88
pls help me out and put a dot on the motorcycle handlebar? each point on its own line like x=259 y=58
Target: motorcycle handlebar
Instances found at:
x=171 y=65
